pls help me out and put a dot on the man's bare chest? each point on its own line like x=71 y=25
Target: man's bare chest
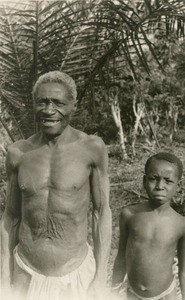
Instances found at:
x=59 y=169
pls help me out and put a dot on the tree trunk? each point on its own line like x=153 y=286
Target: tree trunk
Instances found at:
x=115 y=108
x=138 y=112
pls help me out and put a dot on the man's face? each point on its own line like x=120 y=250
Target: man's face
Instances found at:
x=161 y=181
x=53 y=108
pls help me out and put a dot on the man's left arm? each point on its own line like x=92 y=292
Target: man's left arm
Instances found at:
x=181 y=265
x=102 y=217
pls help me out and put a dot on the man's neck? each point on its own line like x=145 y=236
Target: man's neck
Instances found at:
x=64 y=137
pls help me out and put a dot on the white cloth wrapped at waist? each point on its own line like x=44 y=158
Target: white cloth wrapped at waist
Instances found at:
x=72 y=286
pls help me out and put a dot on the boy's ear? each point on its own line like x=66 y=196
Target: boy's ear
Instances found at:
x=144 y=181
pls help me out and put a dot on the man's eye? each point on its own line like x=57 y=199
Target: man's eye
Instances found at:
x=151 y=178
x=60 y=104
x=41 y=102
x=57 y=103
x=169 y=181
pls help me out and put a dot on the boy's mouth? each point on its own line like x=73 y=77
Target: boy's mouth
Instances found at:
x=159 y=196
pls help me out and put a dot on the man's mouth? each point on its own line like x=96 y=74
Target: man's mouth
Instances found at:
x=49 y=122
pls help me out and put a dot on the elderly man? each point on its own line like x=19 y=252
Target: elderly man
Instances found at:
x=52 y=176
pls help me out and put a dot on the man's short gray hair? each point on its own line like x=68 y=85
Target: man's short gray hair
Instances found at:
x=58 y=77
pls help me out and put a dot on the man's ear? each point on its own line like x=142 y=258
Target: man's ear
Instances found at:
x=75 y=105
x=179 y=185
x=144 y=181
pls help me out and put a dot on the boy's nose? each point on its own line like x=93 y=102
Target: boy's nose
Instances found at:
x=159 y=184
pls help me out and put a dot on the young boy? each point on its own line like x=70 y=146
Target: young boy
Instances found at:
x=151 y=234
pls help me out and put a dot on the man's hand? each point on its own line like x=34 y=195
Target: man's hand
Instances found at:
x=118 y=292
x=6 y=290
x=98 y=291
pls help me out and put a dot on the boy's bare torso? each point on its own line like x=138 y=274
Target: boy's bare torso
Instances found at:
x=54 y=183
x=152 y=241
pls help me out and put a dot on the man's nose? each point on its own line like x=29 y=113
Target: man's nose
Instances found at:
x=49 y=109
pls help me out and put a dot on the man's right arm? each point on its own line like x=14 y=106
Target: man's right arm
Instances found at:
x=119 y=269
x=11 y=218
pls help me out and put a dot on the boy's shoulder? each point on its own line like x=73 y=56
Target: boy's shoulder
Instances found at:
x=177 y=216
x=133 y=209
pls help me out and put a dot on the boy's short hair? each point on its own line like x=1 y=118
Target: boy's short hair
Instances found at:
x=58 y=77
x=169 y=157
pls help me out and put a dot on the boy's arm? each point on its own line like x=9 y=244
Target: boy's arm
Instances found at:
x=119 y=269
x=181 y=259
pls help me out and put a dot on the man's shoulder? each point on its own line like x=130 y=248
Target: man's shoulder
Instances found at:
x=93 y=142
x=93 y=146
x=17 y=147
x=17 y=150
x=77 y=133
x=22 y=145
x=88 y=138
x=97 y=148
x=14 y=154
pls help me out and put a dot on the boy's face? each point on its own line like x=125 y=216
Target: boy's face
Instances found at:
x=161 y=181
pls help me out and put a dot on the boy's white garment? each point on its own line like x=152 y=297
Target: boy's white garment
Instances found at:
x=72 y=286
x=158 y=297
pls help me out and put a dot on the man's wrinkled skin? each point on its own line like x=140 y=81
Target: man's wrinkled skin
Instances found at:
x=52 y=177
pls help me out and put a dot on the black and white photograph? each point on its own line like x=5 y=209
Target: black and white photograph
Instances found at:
x=92 y=149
